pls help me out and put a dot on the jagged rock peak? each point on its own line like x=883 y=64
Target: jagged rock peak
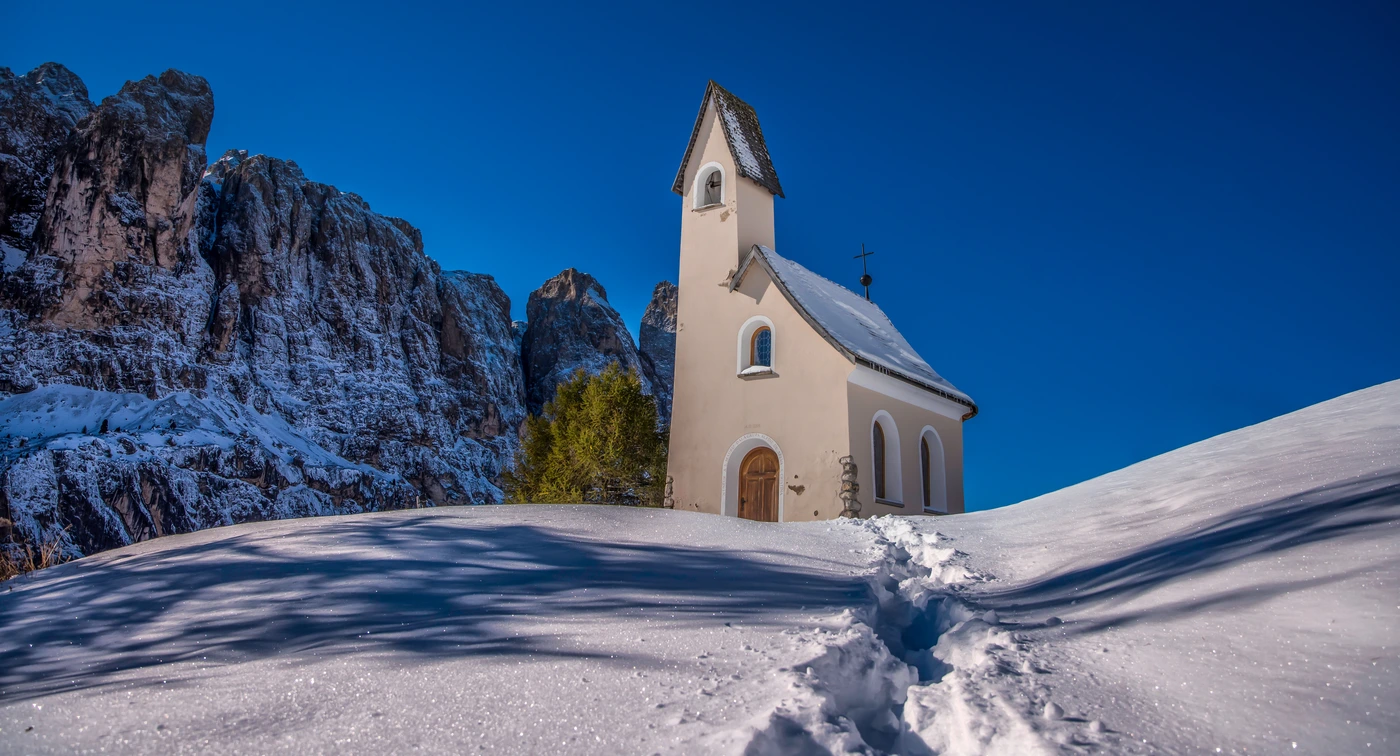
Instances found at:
x=221 y=168
x=174 y=106
x=571 y=284
x=123 y=194
x=661 y=310
x=38 y=112
x=657 y=344
x=570 y=325
x=61 y=91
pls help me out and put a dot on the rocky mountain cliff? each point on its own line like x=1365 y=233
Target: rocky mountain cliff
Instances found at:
x=184 y=346
x=37 y=113
x=570 y=326
x=657 y=345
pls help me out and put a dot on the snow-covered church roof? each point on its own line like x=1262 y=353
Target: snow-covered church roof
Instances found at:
x=857 y=327
x=745 y=139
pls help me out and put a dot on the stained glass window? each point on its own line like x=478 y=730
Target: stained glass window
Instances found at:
x=763 y=347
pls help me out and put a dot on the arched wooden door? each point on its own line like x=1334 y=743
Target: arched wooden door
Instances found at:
x=758 y=486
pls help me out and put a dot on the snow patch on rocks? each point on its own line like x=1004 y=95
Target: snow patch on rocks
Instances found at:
x=163 y=466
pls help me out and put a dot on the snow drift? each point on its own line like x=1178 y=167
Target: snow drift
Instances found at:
x=1237 y=595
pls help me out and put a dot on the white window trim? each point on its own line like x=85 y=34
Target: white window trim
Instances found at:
x=746 y=332
x=937 y=461
x=894 y=472
x=729 y=499
x=697 y=192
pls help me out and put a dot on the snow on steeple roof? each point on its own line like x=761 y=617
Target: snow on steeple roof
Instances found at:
x=744 y=136
x=857 y=327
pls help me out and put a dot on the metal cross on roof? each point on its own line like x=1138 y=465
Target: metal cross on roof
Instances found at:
x=865 y=279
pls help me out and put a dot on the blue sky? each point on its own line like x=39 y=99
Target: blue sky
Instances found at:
x=1121 y=228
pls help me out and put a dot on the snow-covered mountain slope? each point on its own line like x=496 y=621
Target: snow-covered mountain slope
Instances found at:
x=247 y=290
x=1239 y=595
x=169 y=465
x=133 y=270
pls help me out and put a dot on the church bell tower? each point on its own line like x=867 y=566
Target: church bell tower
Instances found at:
x=727 y=184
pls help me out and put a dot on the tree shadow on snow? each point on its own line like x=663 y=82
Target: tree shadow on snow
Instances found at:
x=431 y=587
x=1320 y=514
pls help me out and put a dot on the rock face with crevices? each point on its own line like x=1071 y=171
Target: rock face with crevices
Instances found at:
x=183 y=346
x=38 y=112
x=657 y=345
x=571 y=327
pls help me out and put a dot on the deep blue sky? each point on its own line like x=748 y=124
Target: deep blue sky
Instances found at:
x=1121 y=228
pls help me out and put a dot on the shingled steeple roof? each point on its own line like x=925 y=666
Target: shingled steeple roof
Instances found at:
x=744 y=136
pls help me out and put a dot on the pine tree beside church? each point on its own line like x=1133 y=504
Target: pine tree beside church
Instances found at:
x=595 y=442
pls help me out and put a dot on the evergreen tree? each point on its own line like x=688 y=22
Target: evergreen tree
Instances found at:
x=103 y=429
x=596 y=442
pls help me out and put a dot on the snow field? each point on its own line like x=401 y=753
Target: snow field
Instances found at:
x=1234 y=596
x=529 y=629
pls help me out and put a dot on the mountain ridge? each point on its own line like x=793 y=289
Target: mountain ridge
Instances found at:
x=287 y=311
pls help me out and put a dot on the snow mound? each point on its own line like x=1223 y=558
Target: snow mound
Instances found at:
x=513 y=629
x=1236 y=595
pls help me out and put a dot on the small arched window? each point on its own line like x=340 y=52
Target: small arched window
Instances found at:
x=932 y=473
x=761 y=348
x=756 y=348
x=884 y=446
x=879 y=444
x=924 y=467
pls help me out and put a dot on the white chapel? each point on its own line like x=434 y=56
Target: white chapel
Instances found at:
x=789 y=387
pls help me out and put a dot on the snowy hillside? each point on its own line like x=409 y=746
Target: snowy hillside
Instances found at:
x=1235 y=596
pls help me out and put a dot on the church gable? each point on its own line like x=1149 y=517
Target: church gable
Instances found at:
x=742 y=134
x=857 y=327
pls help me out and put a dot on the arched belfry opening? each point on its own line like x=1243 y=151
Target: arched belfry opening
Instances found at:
x=714 y=188
x=709 y=186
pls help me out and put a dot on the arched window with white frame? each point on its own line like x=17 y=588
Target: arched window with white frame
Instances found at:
x=709 y=186
x=757 y=347
x=932 y=472
x=885 y=470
